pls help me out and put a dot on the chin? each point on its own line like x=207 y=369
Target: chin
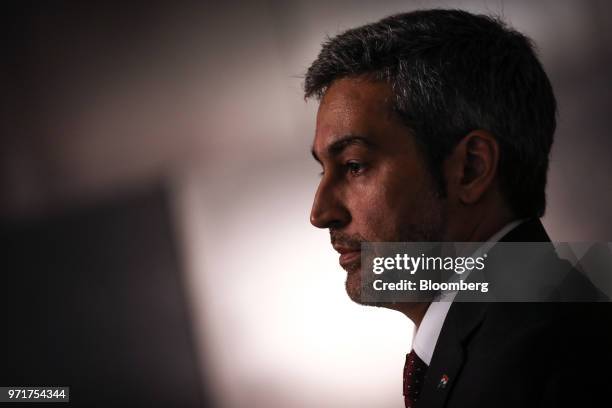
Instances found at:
x=353 y=287
x=353 y=281
x=353 y=290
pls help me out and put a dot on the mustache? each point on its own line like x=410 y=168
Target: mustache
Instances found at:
x=346 y=240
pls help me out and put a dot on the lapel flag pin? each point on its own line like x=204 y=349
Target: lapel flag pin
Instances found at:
x=443 y=381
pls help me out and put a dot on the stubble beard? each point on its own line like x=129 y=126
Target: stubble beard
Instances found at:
x=429 y=228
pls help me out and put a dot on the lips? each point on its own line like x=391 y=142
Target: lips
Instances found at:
x=348 y=256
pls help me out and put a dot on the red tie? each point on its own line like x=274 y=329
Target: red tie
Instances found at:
x=414 y=376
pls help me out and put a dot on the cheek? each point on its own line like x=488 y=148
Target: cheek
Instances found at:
x=394 y=204
x=378 y=212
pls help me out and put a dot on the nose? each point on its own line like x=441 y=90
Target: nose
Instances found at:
x=328 y=209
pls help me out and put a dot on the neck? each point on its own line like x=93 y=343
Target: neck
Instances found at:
x=478 y=224
x=415 y=311
x=484 y=226
x=484 y=229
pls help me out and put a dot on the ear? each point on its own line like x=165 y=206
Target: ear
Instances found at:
x=472 y=167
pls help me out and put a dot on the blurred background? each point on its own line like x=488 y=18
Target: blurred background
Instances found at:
x=155 y=187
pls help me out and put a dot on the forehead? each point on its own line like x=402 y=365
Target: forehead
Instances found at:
x=358 y=106
x=354 y=102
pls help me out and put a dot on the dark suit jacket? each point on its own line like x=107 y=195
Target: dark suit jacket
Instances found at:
x=523 y=354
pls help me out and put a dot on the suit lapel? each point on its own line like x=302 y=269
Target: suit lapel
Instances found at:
x=462 y=320
x=445 y=366
x=449 y=353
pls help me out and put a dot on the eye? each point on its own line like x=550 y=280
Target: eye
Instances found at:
x=354 y=167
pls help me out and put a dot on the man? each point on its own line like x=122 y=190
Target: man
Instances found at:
x=436 y=125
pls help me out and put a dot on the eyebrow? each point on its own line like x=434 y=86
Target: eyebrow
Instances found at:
x=342 y=143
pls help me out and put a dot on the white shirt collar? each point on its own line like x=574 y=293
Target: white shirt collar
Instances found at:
x=426 y=335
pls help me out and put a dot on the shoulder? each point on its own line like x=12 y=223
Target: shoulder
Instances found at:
x=532 y=353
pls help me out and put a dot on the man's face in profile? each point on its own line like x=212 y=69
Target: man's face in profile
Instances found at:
x=375 y=185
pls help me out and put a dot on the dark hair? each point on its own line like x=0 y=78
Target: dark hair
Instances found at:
x=453 y=72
